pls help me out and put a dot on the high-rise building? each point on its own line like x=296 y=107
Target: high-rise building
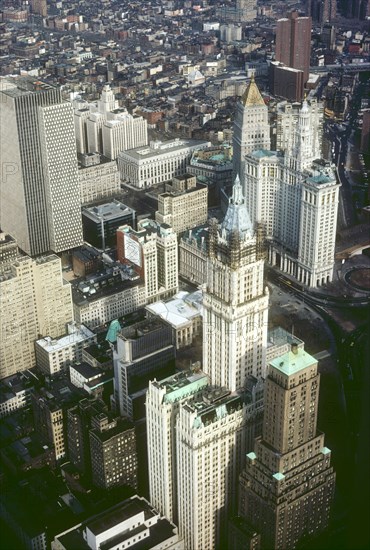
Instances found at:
x=34 y=300
x=183 y=205
x=235 y=301
x=113 y=452
x=322 y=11
x=103 y=127
x=287 y=487
x=39 y=7
x=293 y=42
x=210 y=447
x=295 y=196
x=152 y=251
x=144 y=350
x=40 y=196
x=251 y=127
x=164 y=399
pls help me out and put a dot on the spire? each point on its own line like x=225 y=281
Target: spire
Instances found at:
x=237 y=218
x=252 y=95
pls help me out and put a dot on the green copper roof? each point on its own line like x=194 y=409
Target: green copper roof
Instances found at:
x=114 y=329
x=177 y=389
x=278 y=476
x=291 y=363
x=260 y=153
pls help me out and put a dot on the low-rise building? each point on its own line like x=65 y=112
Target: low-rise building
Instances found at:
x=146 y=166
x=183 y=314
x=100 y=223
x=100 y=298
x=131 y=524
x=56 y=354
x=15 y=392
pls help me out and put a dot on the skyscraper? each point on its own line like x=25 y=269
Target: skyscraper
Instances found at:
x=235 y=301
x=251 y=127
x=287 y=487
x=296 y=196
x=33 y=301
x=40 y=197
x=293 y=42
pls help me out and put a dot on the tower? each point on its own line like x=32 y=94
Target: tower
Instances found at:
x=235 y=302
x=251 y=127
x=288 y=484
x=40 y=196
x=293 y=42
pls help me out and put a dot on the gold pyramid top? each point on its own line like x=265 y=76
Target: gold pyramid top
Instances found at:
x=252 y=95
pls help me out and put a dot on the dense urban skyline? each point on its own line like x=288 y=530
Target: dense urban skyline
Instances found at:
x=184 y=274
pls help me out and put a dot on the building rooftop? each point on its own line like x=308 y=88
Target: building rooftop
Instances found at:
x=162 y=148
x=291 y=363
x=75 y=335
x=86 y=370
x=108 y=211
x=181 y=384
x=178 y=311
x=261 y=153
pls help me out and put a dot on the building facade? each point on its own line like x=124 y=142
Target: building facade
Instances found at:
x=98 y=180
x=295 y=196
x=183 y=205
x=235 y=301
x=56 y=354
x=34 y=300
x=287 y=487
x=152 y=253
x=40 y=197
x=251 y=127
x=104 y=128
x=293 y=42
x=144 y=167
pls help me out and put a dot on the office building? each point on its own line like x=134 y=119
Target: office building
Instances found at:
x=132 y=524
x=251 y=127
x=98 y=178
x=293 y=42
x=322 y=11
x=34 y=300
x=296 y=197
x=144 y=167
x=39 y=7
x=104 y=128
x=235 y=301
x=50 y=404
x=152 y=252
x=8 y=251
x=56 y=354
x=100 y=223
x=183 y=204
x=113 y=452
x=102 y=297
x=163 y=402
x=144 y=350
x=40 y=196
x=193 y=255
x=287 y=487
x=210 y=448
x=286 y=82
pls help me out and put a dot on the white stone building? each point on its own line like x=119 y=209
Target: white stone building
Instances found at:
x=251 y=129
x=104 y=128
x=235 y=302
x=99 y=180
x=56 y=354
x=296 y=197
x=130 y=524
x=152 y=252
x=163 y=402
x=144 y=167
